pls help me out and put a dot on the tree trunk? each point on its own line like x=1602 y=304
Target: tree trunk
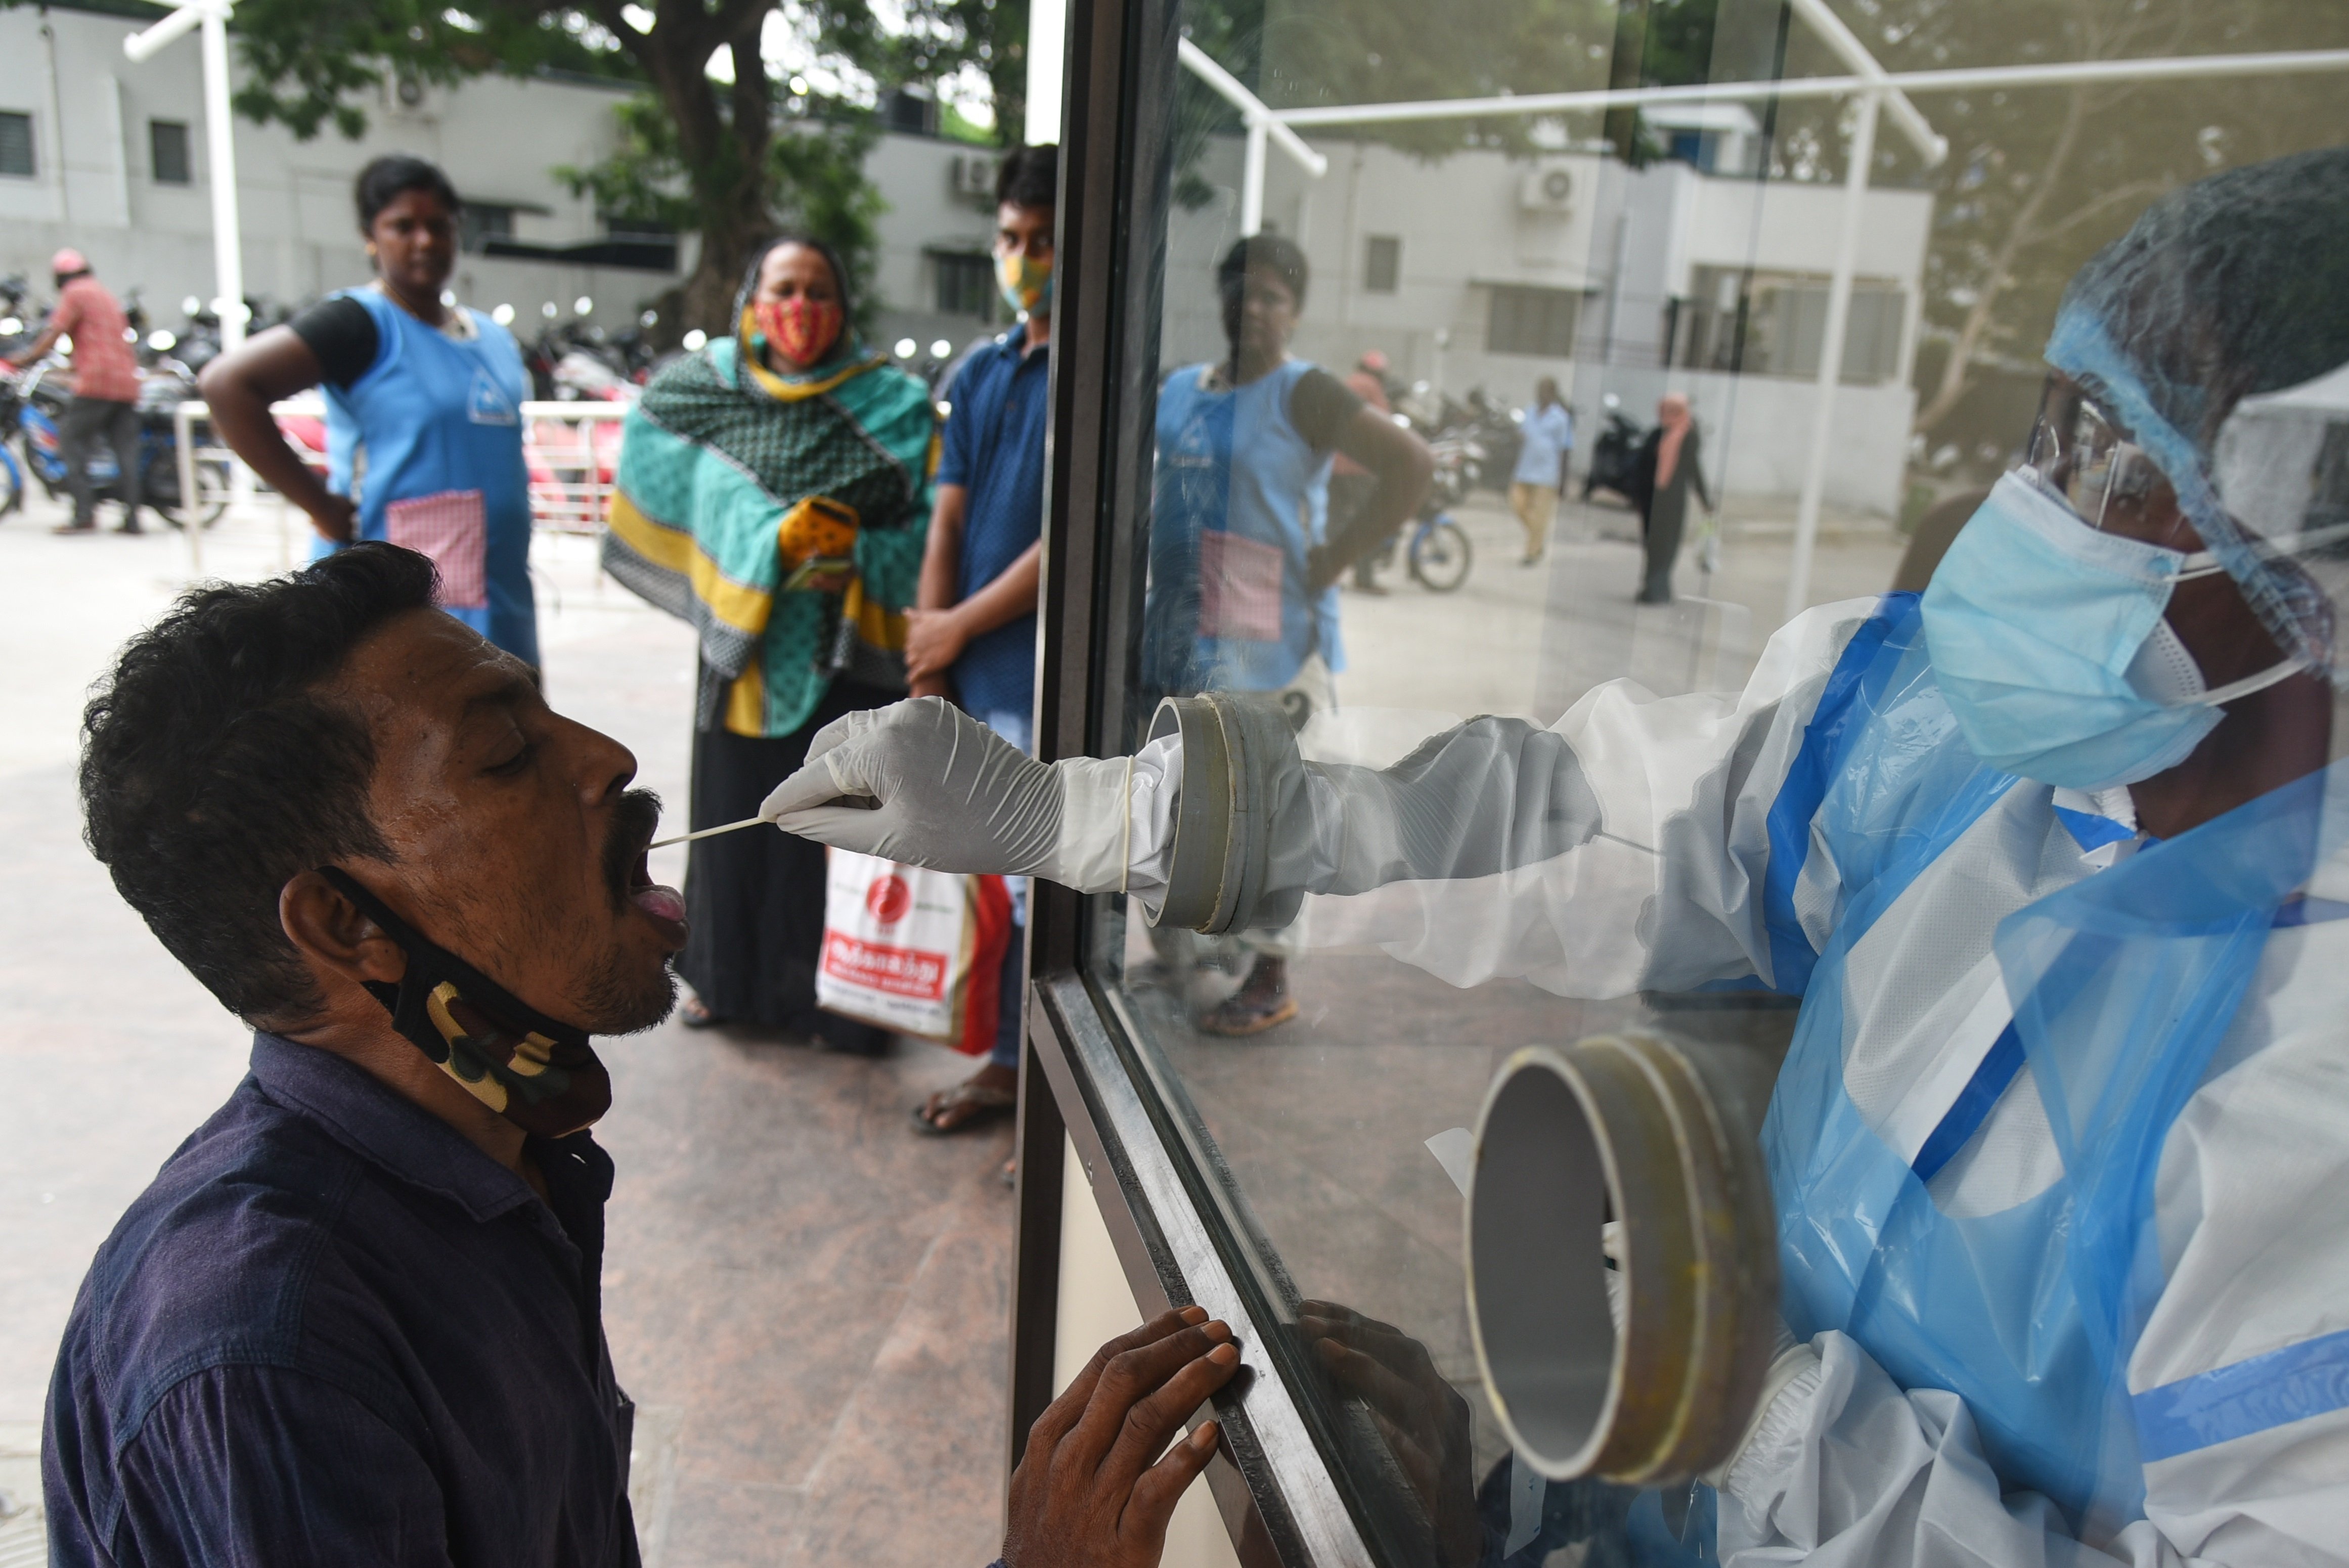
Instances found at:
x=724 y=148
x=2020 y=233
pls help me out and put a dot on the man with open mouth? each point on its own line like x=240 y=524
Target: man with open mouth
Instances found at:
x=355 y=1318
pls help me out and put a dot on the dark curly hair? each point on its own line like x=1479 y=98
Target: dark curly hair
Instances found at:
x=393 y=175
x=1275 y=254
x=1029 y=176
x=213 y=772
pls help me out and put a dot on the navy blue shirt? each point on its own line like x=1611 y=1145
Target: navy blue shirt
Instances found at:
x=994 y=448
x=334 y=1331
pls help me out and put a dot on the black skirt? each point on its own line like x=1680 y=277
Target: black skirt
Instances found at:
x=756 y=898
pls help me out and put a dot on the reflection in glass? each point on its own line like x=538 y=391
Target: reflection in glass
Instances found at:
x=1675 y=271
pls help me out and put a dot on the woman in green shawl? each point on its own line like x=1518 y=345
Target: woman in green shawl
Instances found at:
x=774 y=490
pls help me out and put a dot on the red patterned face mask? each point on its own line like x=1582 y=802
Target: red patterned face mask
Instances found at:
x=802 y=330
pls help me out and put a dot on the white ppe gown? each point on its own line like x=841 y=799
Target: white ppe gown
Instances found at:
x=1632 y=846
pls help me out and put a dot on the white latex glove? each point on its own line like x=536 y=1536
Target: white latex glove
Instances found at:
x=925 y=784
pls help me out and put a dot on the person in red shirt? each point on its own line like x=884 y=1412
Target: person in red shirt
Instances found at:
x=106 y=388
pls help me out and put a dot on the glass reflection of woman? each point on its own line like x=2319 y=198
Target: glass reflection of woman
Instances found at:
x=423 y=410
x=1243 y=575
x=1670 y=463
x=773 y=490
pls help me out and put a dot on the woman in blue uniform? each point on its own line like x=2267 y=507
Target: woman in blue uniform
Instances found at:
x=424 y=410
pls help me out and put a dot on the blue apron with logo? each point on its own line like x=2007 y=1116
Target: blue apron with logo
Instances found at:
x=429 y=441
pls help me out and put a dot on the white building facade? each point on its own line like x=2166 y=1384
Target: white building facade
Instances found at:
x=1482 y=270
x=109 y=156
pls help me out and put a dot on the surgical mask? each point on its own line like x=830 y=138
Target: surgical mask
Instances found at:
x=1026 y=282
x=2048 y=641
x=537 y=1072
x=802 y=330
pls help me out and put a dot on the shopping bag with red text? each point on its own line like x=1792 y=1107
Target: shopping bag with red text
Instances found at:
x=916 y=951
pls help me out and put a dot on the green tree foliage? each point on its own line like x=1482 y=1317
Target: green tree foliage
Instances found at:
x=815 y=172
x=732 y=161
x=308 y=57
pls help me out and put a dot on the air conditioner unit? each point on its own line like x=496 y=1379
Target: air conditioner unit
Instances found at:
x=1547 y=188
x=974 y=177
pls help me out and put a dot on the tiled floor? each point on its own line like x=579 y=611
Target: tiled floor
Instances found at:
x=807 y=1300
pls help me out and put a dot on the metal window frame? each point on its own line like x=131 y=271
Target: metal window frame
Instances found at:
x=1080 y=1075
x=157 y=126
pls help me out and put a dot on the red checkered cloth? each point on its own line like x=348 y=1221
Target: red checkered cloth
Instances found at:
x=103 y=365
x=451 y=528
x=1239 y=587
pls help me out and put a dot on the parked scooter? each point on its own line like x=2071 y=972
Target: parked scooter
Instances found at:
x=1499 y=434
x=1615 y=455
x=35 y=404
x=19 y=321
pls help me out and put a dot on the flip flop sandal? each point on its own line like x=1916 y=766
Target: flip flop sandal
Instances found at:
x=1240 y=1015
x=980 y=1102
x=694 y=1013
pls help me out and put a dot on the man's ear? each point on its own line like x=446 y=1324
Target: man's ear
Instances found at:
x=334 y=935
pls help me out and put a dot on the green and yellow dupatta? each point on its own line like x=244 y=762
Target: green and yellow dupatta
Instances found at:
x=722 y=457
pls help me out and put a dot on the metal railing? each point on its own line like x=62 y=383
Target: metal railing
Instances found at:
x=572 y=450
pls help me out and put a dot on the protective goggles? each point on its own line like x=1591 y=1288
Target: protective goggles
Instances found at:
x=2282 y=476
x=2087 y=461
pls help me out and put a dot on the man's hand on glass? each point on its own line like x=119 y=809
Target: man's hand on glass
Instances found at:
x=1426 y=1424
x=1092 y=1490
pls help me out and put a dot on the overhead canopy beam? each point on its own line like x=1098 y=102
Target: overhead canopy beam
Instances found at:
x=1969 y=79
x=1931 y=145
x=1263 y=123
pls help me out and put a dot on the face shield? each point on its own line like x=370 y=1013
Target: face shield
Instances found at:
x=2210 y=344
x=2274 y=494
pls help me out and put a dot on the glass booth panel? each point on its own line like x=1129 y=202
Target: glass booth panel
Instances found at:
x=1516 y=410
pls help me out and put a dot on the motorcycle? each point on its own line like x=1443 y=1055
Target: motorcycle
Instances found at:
x=1499 y=433
x=36 y=405
x=1614 y=456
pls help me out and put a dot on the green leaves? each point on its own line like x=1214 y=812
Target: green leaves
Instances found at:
x=309 y=61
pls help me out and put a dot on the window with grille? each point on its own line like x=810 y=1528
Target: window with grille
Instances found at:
x=478 y=222
x=1532 y=321
x=1381 y=265
x=16 y=143
x=966 y=284
x=167 y=151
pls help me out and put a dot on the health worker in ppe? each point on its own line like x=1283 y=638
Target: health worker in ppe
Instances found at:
x=2054 y=856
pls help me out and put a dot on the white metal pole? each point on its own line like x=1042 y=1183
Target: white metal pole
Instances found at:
x=228 y=246
x=228 y=253
x=184 y=432
x=1252 y=179
x=1814 y=473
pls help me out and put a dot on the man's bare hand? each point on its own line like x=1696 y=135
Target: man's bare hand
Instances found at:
x=338 y=520
x=935 y=639
x=1426 y=1423
x=1087 y=1494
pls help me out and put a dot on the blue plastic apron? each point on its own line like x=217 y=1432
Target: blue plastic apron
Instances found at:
x=1242 y=499
x=2124 y=985
x=438 y=418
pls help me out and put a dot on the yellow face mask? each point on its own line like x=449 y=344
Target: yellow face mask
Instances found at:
x=1026 y=282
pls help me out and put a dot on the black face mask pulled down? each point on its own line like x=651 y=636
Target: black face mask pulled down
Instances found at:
x=538 y=1073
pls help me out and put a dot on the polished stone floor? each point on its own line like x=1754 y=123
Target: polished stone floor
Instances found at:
x=808 y=1301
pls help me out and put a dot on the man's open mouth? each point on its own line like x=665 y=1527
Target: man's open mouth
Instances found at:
x=631 y=862
x=663 y=904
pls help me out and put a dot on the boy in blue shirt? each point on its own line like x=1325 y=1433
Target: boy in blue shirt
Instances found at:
x=971 y=636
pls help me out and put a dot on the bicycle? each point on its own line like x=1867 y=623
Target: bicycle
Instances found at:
x=1439 y=555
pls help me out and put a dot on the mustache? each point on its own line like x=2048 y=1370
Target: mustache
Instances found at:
x=636 y=817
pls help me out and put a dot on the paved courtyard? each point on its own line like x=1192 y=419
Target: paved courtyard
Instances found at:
x=807 y=1300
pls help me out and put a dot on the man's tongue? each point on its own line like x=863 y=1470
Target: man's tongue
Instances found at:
x=660 y=902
